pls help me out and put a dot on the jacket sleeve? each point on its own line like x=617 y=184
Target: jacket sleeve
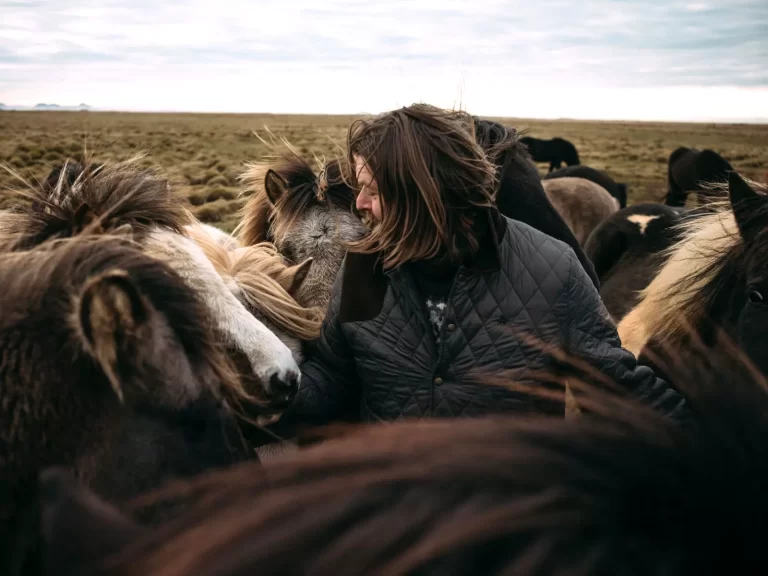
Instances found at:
x=328 y=390
x=591 y=336
x=521 y=196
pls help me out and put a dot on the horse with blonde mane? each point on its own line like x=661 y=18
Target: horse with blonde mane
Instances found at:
x=714 y=279
x=261 y=280
x=138 y=203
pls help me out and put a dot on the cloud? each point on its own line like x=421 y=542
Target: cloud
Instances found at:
x=355 y=55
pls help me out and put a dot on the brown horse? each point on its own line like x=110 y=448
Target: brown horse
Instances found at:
x=626 y=492
x=305 y=215
x=106 y=367
x=582 y=203
x=140 y=203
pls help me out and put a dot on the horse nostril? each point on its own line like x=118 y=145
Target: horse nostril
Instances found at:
x=283 y=390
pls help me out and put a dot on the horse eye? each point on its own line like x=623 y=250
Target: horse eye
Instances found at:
x=755 y=297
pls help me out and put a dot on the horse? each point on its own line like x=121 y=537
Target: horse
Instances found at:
x=627 y=492
x=520 y=194
x=581 y=203
x=713 y=281
x=555 y=151
x=107 y=367
x=124 y=198
x=304 y=215
x=617 y=190
x=627 y=250
x=690 y=169
x=258 y=276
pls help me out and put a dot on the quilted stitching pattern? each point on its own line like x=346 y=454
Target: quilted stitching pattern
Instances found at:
x=391 y=367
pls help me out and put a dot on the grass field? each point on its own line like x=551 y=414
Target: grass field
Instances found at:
x=203 y=154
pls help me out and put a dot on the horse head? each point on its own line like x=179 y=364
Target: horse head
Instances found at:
x=305 y=215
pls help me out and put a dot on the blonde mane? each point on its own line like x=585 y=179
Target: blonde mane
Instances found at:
x=262 y=279
x=672 y=302
x=258 y=212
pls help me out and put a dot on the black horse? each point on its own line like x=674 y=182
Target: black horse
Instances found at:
x=626 y=251
x=521 y=195
x=599 y=177
x=690 y=170
x=555 y=151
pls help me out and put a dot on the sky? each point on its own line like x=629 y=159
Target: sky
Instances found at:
x=587 y=59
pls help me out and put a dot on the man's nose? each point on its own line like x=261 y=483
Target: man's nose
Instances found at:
x=362 y=202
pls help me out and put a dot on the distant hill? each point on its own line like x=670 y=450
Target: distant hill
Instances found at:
x=43 y=106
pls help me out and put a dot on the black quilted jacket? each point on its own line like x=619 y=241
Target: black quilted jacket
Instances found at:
x=377 y=358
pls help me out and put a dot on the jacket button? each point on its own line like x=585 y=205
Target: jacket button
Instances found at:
x=451 y=327
x=438 y=380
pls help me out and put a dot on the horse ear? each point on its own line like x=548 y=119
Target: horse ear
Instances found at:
x=275 y=186
x=112 y=317
x=296 y=275
x=78 y=529
x=745 y=203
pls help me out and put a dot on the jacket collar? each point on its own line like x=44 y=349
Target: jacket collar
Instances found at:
x=364 y=282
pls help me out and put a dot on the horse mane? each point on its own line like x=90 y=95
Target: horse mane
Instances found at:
x=629 y=492
x=54 y=263
x=689 y=277
x=262 y=221
x=260 y=274
x=116 y=196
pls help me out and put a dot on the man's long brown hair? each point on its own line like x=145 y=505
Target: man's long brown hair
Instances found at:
x=434 y=181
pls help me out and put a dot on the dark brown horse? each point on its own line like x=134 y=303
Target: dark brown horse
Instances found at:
x=106 y=367
x=624 y=492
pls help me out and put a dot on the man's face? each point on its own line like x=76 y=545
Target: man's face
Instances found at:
x=368 y=198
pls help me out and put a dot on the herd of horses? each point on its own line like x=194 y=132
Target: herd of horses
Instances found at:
x=142 y=353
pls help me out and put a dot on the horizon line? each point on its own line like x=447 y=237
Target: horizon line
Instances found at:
x=79 y=108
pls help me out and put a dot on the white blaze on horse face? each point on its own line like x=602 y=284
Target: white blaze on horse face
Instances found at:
x=268 y=356
x=641 y=220
x=368 y=199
